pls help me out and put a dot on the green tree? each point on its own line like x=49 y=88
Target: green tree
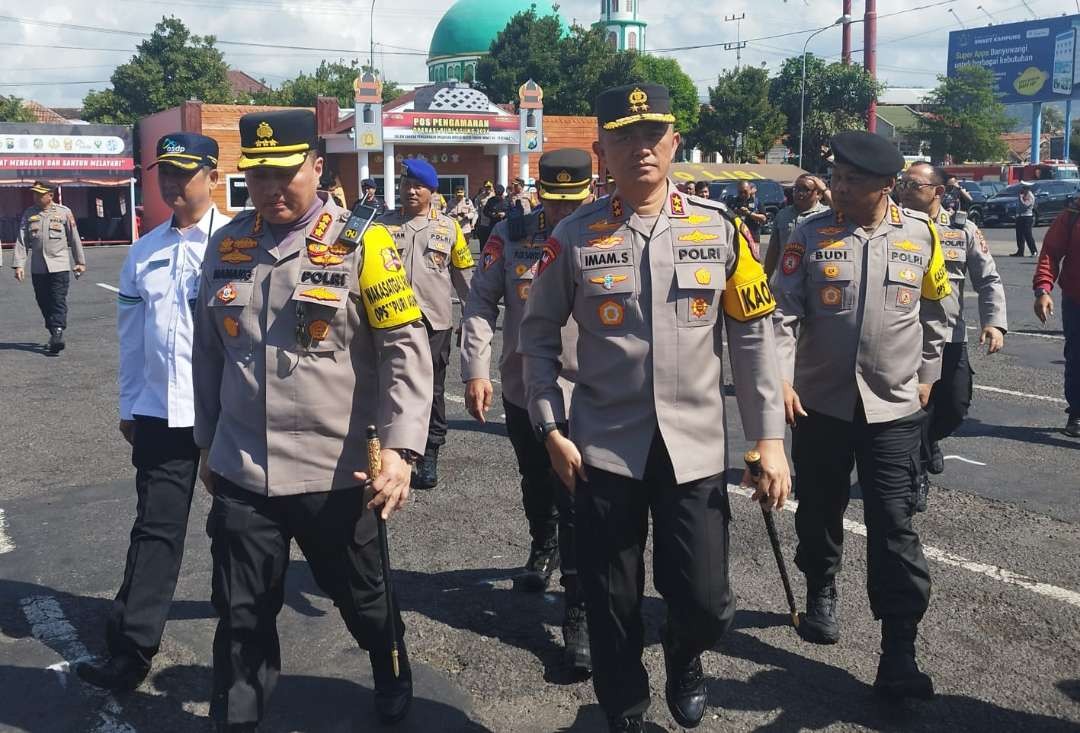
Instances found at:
x=837 y=97
x=170 y=67
x=739 y=106
x=1052 y=119
x=12 y=109
x=330 y=79
x=965 y=119
x=528 y=47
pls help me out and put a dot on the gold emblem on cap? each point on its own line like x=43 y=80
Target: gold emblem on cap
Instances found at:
x=639 y=100
x=563 y=177
x=265 y=136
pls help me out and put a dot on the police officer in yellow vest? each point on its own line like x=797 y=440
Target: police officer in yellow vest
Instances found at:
x=507 y=267
x=860 y=322
x=436 y=258
x=306 y=332
x=46 y=233
x=653 y=278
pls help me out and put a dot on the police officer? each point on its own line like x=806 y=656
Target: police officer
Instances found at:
x=860 y=324
x=483 y=222
x=306 y=332
x=805 y=202
x=463 y=212
x=46 y=232
x=368 y=197
x=518 y=195
x=653 y=278
x=436 y=258
x=507 y=267
x=498 y=206
x=155 y=325
x=966 y=255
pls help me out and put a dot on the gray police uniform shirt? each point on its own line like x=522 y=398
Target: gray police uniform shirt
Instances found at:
x=861 y=315
x=464 y=213
x=651 y=298
x=436 y=257
x=289 y=367
x=967 y=254
x=784 y=224
x=505 y=275
x=50 y=239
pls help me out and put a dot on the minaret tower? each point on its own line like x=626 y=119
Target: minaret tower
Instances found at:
x=624 y=28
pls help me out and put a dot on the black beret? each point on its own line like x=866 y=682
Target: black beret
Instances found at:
x=868 y=152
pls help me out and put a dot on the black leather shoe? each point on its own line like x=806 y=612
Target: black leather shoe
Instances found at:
x=575 y=631
x=629 y=724
x=898 y=675
x=56 y=341
x=427 y=470
x=684 y=688
x=1072 y=428
x=121 y=673
x=393 y=695
x=819 y=624
x=538 y=569
x=922 y=493
x=937 y=460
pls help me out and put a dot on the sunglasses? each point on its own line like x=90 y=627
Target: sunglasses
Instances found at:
x=804 y=189
x=908 y=184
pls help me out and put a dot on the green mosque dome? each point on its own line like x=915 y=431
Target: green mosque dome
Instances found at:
x=469 y=26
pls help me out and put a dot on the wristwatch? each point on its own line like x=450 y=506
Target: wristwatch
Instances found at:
x=544 y=429
x=1039 y=292
x=409 y=456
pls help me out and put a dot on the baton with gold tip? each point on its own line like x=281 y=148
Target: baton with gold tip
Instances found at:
x=753 y=462
x=374 y=452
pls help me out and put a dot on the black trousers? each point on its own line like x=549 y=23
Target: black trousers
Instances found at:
x=250 y=536
x=483 y=231
x=51 y=291
x=548 y=504
x=1024 y=234
x=690 y=569
x=824 y=449
x=950 y=398
x=166 y=462
x=440 y=357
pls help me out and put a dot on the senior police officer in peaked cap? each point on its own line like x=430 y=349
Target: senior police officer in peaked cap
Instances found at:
x=507 y=267
x=860 y=324
x=436 y=258
x=307 y=331
x=653 y=278
x=155 y=318
x=46 y=233
x=966 y=255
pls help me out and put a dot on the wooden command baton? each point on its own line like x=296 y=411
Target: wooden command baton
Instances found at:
x=753 y=462
x=374 y=452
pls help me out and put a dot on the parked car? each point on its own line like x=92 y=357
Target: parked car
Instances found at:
x=991 y=188
x=1050 y=200
x=770 y=197
x=974 y=208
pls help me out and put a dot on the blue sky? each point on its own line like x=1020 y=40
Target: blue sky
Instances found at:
x=911 y=51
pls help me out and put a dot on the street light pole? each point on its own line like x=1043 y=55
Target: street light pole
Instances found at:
x=842 y=20
x=371 y=29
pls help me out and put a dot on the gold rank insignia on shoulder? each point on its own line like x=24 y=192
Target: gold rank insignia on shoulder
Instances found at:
x=698 y=219
x=318 y=232
x=678 y=208
x=616 y=207
x=894 y=214
x=256 y=226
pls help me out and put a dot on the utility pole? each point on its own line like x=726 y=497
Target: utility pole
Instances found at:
x=870 y=57
x=845 y=55
x=738 y=46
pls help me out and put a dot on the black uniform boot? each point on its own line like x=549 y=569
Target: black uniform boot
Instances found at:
x=538 y=569
x=922 y=493
x=1072 y=427
x=427 y=469
x=629 y=724
x=121 y=673
x=56 y=341
x=393 y=695
x=684 y=688
x=575 y=631
x=898 y=676
x=819 y=625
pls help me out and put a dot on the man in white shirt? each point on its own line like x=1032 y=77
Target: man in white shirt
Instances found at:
x=155 y=324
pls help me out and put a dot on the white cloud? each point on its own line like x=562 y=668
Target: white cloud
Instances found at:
x=911 y=45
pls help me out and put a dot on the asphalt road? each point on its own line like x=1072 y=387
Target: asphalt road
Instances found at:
x=1002 y=637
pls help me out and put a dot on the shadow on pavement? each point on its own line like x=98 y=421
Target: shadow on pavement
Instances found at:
x=493 y=426
x=973 y=428
x=811 y=695
x=33 y=348
x=1070 y=688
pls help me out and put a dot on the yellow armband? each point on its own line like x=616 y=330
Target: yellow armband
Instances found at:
x=747 y=295
x=388 y=298
x=460 y=256
x=935 y=284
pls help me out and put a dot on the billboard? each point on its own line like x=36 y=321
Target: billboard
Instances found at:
x=1032 y=61
x=65 y=152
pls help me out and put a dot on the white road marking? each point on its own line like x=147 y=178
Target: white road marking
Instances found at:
x=965 y=460
x=1013 y=392
x=49 y=626
x=108 y=287
x=1027 y=333
x=947 y=558
x=6 y=543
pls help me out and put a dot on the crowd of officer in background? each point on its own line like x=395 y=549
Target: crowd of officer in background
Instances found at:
x=254 y=351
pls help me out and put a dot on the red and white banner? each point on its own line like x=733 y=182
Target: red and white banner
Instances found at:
x=65 y=163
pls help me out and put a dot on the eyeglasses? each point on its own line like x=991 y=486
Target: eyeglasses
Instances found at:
x=908 y=184
x=804 y=189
